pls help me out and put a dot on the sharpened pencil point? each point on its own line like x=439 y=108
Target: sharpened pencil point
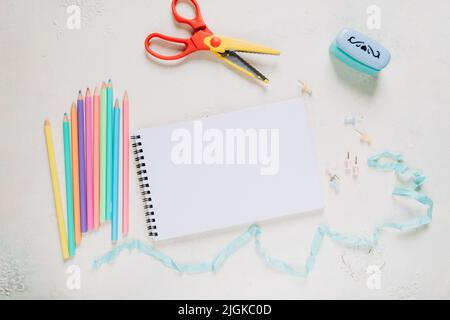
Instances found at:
x=46 y=123
x=88 y=92
x=117 y=104
x=125 y=95
x=66 y=117
x=74 y=106
x=80 y=95
x=96 y=92
x=103 y=85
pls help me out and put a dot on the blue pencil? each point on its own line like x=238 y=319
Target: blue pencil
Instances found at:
x=109 y=148
x=82 y=161
x=115 y=176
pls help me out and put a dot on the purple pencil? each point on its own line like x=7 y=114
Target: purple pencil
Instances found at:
x=82 y=161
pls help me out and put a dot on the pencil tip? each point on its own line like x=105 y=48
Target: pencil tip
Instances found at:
x=88 y=91
x=110 y=84
x=96 y=91
x=46 y=122
x=74 y=106
x=117 y=104
x=103 y=85
x=66 y=117
x=80 y=95
x=125 y=95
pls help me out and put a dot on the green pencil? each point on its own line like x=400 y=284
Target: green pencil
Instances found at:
x=109 y=148
x=103 y=129
x=69 y=190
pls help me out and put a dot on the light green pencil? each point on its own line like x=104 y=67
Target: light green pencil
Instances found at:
x=69 y=190
x=103 y=154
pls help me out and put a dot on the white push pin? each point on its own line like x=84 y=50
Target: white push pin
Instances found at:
x=347 y=163
x=350 y=121
x=355 y=168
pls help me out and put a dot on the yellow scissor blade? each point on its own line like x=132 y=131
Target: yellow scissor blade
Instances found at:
x=239 y=45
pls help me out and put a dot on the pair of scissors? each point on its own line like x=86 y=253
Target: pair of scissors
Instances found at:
x=203 y=39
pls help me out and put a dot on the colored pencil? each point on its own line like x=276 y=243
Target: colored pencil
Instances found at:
x=115 y=173
x=75 y=174
x=56 y=190
x=89 y=161
x=126 y=166
x=82 y=162
x=103 y=154
x=109 y=147
x=96 y=159
x=69 y=195
x=120 y=182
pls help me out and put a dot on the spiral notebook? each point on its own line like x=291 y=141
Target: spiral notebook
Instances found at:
x=230 y=169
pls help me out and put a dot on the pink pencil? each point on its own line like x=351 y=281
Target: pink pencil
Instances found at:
x=96 y=159
x=125 y=163
x=89 y=162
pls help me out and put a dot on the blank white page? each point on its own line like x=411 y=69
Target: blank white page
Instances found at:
x=193 y=198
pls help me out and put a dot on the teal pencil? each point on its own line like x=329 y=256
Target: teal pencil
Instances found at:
x=69 y=190
x=109 y=148
x=115 y=184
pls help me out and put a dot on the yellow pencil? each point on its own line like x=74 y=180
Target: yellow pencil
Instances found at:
x=56 y=190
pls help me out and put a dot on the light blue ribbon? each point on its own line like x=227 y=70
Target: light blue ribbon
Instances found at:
x=387 y=161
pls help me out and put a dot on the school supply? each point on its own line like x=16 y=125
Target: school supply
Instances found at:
x=96 y=159
x=82 y=162
x=190 y=188
x=109 y=148
x=355 y=168
x=115 y=172
x=103 y=135
x=56 y=189
x=75 y=173
x=386 y=161
x=360 y=52
x=333 y=181
x=89 y=162
x=364 y=137
x=84 y=138
x=69 y=191
x=203 y=39
x=306 y=89
x=125 y=164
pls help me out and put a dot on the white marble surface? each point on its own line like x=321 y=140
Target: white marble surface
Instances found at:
x=43 y=64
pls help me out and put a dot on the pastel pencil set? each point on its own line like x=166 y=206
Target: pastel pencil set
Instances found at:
x=96 y=162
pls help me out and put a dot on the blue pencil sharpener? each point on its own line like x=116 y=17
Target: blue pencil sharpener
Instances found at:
x=360 y=52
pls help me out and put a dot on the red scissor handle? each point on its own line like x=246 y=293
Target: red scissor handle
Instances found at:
x=196 y=23
x=189 y=46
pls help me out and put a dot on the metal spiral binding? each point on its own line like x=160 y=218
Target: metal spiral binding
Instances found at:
x=144 y=185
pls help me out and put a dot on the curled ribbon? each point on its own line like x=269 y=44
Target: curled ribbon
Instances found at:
x=386 y=161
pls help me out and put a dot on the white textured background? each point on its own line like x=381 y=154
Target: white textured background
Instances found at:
x=43 y=64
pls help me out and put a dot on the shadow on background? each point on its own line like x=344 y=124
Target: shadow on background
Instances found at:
x=357 y=80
